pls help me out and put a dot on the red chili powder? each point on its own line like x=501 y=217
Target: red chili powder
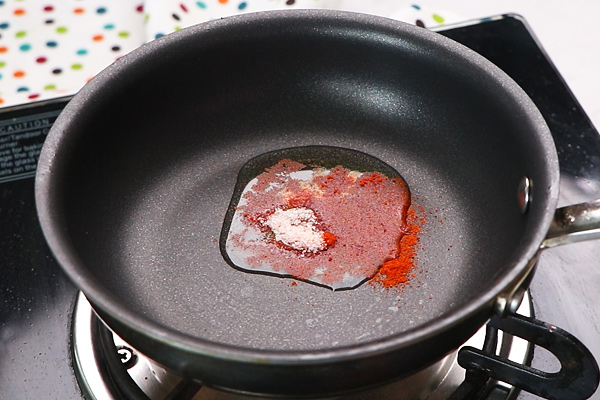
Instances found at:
x=398 y=270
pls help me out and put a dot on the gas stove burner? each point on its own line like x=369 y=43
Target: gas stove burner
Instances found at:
x=108 y=368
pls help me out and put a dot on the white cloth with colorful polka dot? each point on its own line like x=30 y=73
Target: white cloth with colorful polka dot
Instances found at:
x=51 y=48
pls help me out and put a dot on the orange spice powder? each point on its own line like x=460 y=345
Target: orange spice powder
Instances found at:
x=397 y=271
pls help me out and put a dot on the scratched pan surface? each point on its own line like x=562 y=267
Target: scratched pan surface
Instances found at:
x=138 y=173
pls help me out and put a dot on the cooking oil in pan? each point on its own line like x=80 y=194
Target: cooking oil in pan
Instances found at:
x=324 y=215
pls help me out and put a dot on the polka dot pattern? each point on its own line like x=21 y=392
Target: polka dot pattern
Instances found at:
x=51 y=48
x=163 y=17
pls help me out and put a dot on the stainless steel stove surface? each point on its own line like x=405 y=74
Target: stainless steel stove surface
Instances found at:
x=37 y=302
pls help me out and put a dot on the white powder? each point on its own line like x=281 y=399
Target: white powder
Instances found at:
x=295 y=227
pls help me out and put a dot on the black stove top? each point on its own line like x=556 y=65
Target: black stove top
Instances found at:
x=37 y=300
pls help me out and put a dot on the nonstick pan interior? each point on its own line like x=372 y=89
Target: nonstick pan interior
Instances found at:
x=146 y=159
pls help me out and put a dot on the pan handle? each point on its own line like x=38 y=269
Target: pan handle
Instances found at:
x=577 y=379
x=573 y=224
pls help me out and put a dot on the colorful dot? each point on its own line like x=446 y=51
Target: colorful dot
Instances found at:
x=115 y=48
x=183 y=7
x=76 y=66
x=49 y=21
x=140 y=8
x=97 y=38
x=438 y=18
x=19 y=74
x=21 y=34
x=25 y=47
x=81 y=52
x=41 y=60
x=2 y=64
x=57 y=71
x=78 y=11
x=3 y=49
x=109 y=26
x=4 y=25
x=33 y=96
x=201 y=4
x=23 y=89
x=51 y=43
x=176 y=17
x=101 y=10
x=62 y=29
x=242 y=5
x=159 y=35
x=19 y=11
x=123 y=34
x=223 y=1
x=290 y=2
x=50 y=87
x=48 y=8
x=416 y=6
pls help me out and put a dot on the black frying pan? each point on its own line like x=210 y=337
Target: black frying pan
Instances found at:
x=137 y=174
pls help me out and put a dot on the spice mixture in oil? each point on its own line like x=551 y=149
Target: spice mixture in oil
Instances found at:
x=334 y=227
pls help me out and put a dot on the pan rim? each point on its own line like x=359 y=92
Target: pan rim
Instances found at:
x=67 y=257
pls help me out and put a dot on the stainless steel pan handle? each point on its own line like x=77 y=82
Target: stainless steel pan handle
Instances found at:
x=570 y=224
x=574 y=223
